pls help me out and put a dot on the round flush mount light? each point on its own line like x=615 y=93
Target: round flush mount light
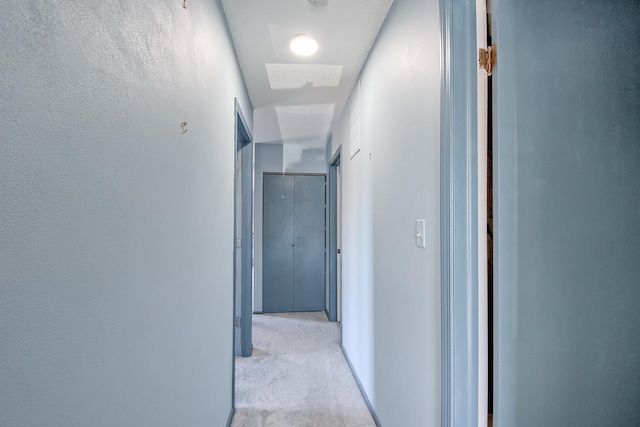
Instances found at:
x=303 y=45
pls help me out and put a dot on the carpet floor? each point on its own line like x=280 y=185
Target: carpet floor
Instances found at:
x=297 y=376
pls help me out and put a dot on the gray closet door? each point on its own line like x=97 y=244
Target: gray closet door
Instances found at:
x=293 y=243
x=277 y=243
x=308 y=254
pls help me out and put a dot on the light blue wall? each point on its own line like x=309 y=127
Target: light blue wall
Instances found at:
x=116 y=231
x=391 y=288
x=278 y=158
x=567 y=212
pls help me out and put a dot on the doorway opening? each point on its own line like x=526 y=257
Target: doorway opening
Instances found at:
x=243 y=237
x=466 y=380
x=485 y=225
x=334 y=249
x=293 y=242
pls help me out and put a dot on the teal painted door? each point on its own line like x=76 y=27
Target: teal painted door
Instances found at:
x=293 y=243
x=567 y=212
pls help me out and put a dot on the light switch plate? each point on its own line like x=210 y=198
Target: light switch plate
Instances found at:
x=420 y=237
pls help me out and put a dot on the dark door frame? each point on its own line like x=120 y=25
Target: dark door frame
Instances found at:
x=332 y=239
x=243 y=152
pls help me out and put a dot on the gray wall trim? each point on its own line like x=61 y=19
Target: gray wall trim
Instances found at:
x=247 y=244
x=231 y=414
x=233 y=248
x=459 y=213
x=364 y=394
x=445 y=226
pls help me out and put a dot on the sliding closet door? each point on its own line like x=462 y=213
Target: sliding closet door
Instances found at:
x=293 y=243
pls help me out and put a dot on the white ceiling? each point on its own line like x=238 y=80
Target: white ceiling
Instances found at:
x=298 y=99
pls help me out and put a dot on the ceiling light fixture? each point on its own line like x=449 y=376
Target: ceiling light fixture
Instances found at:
x=303 y=45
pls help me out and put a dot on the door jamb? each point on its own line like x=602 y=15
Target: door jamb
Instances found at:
x=243 y=138
x=332 y=242
x=459 y=205
x=482 y=215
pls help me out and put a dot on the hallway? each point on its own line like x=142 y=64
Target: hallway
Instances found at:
x=297 y=376
x=120 y=123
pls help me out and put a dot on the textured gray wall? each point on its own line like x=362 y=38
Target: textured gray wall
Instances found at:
x=567 y=152
x=116 y=231
x=278 y=158
x=391 y=288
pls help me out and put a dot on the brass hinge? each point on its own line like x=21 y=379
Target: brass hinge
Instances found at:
x=487 y=59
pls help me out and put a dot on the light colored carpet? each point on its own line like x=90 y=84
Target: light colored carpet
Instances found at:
x=297 y=376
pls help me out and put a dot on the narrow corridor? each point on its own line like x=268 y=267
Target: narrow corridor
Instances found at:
x=297 y=376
